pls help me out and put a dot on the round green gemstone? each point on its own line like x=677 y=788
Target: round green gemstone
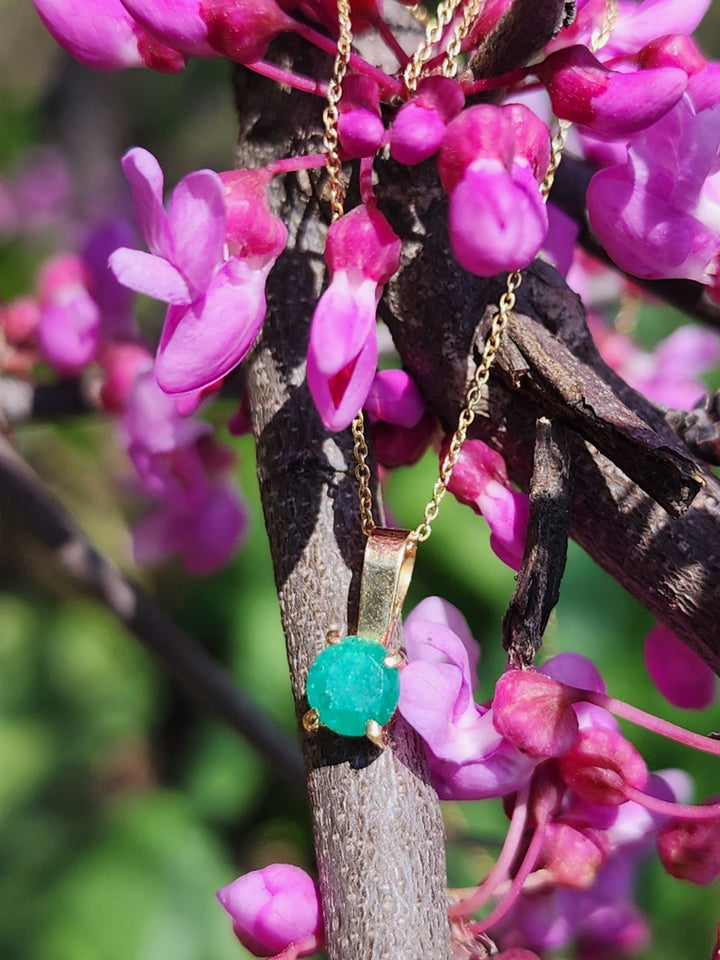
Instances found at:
x=348 y=684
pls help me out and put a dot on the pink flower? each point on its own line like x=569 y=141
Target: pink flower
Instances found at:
x=362 y=254
x=273 y=909
x=402 y=426
x=491 y=162
x=69 y=327
x=204 y=534
x=468 y=759
x=690 y=850
x=607 y=102
x=480 y=481
x=360 y=127
x=216 y=290
x=102 y=34
x=420 y=124
x=658 y=215
x=677 y=671
x=670 y=374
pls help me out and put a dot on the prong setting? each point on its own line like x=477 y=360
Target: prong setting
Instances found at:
x=311 y=720
x=374 y=732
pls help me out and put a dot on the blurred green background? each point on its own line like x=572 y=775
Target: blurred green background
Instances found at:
x=123 y=806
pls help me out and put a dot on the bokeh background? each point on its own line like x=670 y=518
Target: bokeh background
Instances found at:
x=123 y=805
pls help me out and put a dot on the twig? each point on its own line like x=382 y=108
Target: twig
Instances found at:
x=23 y=492
x=538 y=582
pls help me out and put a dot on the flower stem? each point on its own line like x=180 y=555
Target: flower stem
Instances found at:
x=387 y=84
x=637 y=716
x=498 y=873
x=526 y=868
x=681 y=811
x=298 y=81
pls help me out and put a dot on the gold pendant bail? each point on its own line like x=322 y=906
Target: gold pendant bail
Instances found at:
x=386 y=574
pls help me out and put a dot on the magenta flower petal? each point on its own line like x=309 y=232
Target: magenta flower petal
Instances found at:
x=599 y=765
x=644 y=234
x=342 y=322
x=203 y=342
x=146 y=184
x=339 y=397
x=497 y=221
x=151 y=275
x=197 y=221
x=534 y=713
x=395 y=399
x=419 y=627
x=642 y=22
x=428 y=695
x=607 y=102
x=575 y=670
x=177 y=23
x=677 y=671
x=69 y=332
x=99 y=33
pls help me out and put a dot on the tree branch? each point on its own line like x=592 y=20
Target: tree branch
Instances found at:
x=22 y=491
x=378 y=831
x=548 y=364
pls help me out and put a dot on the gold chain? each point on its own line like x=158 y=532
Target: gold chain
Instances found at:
x=460 y=31
x=333 y=163
x=413 y=72
x=433 y=34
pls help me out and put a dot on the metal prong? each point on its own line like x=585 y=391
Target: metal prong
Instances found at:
x=311 y=720
x=332 y=636
x=394 y=659
x=374 y=733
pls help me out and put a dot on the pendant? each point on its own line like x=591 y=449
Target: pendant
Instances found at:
x=353 y=686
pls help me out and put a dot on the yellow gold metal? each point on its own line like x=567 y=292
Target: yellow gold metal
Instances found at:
x=433 y=34
x=374 y=733
x=331 y=115
x=460 y=31
x=387 y=569
x=332 y=636
x=311 y=720
x=394 y=659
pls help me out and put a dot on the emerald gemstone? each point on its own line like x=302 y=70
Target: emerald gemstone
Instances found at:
x=348 y=684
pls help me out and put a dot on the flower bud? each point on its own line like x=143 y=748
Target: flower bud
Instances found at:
x=690 y=849
x=273 y=908
x=360 y=127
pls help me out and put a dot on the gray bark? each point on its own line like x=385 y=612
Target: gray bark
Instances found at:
x=378 y=830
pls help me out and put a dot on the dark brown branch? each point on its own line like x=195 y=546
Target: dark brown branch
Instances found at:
x=22 y=492
x=519 y=34
x=21 y=401
x=538 y=582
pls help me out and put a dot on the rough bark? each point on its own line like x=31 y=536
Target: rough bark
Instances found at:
x=538 y=581
x=378 y=831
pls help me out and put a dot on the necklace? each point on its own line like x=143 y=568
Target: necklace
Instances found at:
x=353 y=685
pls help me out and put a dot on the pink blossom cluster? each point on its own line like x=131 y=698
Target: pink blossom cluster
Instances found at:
x=583 y=809
x=491 y=159
x=81 y=322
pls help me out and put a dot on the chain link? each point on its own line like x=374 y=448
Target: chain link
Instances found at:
x=460 y=31
x=331 y=115
x=433 y=34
